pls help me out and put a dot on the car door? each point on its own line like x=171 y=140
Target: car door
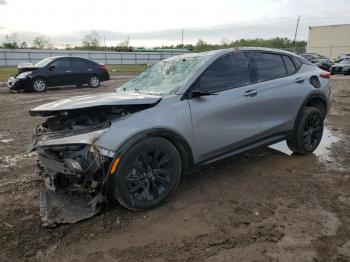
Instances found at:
x=232 y=117
x=60 y=72
x=81 y=70
x=280 y=90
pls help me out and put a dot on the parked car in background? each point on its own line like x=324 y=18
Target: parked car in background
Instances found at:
x=343 y=67
x=344 y=56
x=58 y=71
x=134 y=144
x=323 y=63
x=310 y=56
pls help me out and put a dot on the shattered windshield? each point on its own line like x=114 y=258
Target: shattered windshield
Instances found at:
x=165 y=77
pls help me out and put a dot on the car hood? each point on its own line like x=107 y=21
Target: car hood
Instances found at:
x=111 y=99
x=24 y=67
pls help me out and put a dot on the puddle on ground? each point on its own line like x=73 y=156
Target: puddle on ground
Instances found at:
x=322 y=151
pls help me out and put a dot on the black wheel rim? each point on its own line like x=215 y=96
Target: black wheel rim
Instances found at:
x=149 y=176
x=313 y=131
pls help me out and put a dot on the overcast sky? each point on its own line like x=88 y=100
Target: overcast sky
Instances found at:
x=157 y=22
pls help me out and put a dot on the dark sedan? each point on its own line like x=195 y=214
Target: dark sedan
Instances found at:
x=58 y=71
x=343 y=67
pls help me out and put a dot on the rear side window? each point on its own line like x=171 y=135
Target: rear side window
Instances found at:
x=268 y=66
x=289 y=64
x=79 y=63
x=82 y=63
x=297 y=62
x=229 y=71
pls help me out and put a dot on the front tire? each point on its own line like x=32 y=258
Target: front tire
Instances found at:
x=148 y=174
x=308 y=131
x=94 y=81
x=39 y=84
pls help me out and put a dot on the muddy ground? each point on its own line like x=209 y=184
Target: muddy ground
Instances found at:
x=259 y=206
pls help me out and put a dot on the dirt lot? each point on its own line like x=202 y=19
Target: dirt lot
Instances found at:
x=259 y=206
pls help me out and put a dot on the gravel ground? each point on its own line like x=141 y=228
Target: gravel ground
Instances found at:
x=264 y=205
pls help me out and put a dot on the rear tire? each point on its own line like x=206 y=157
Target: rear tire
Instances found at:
x=94 y=81
x=308 y=131
x=39 y=84
x=148 y=174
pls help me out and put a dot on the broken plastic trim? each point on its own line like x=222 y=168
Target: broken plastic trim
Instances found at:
x=58 y=207
x=86 y=138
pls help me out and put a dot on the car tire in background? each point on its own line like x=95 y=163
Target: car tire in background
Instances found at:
x=39 y=84
x=94 y=81
x=148 y=173
x=308 y=131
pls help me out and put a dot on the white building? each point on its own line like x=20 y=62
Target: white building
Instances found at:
x=330 y=40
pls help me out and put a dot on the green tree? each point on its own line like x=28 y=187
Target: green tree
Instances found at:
x=10 y=41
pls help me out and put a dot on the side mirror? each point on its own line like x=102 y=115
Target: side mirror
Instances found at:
x=51 y=67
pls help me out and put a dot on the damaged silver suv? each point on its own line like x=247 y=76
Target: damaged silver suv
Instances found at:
x=134 y=144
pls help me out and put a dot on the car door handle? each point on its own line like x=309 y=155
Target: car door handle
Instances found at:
x=68 y=71
x=89 y=69
x=299 y=80
x=252 y=92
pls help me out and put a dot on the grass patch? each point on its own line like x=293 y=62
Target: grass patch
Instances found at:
x=6 y=72
x=117 y=69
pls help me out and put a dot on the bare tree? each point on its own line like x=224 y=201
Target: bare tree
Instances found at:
x=91 y=41
x=42 y=42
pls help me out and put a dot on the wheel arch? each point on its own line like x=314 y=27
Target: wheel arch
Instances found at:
x=315 y=100
x=180 y=143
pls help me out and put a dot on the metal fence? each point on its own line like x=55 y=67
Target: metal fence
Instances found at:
x=12 y=57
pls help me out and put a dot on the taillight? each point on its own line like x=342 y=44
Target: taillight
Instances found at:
x=326 y=75
x=104 y=67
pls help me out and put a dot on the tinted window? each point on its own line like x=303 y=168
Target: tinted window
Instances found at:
x=289 y=64
x=268 y=66
x=227 y=72
x=80 y=63
x=297 y=62
x=60 y=63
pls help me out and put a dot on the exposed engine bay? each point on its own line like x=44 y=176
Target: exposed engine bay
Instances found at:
x=73 y=169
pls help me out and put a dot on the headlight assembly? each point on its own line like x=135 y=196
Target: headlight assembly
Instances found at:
x=24 y=75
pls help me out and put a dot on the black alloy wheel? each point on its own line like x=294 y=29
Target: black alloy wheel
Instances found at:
x=148 y=174
x=313 y=131
x=308 y=131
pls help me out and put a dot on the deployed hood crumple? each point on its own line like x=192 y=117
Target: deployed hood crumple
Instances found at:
x=110 y=99
x=24 y=67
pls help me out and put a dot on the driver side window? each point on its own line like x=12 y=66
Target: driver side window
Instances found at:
x=61 y=64
x=227 y=72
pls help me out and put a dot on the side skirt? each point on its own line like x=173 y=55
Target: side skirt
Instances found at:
x=258 y=144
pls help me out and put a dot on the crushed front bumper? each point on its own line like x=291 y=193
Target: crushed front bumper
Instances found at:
x=15 y=84
x=73 y=172
x=61 y=207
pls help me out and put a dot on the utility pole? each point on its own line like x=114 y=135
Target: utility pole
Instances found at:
x=296 y=31
x=182 y=38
